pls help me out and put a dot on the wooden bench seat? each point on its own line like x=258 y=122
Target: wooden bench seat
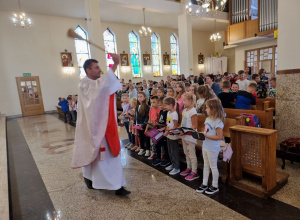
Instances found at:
x=264 y=117
x=261 y=102
x=262 y=105
x=60 y=112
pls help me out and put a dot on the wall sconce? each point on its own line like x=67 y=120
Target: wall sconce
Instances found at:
x=200 y=66
x=125 y=69
x=69 y=70
x=148 y=69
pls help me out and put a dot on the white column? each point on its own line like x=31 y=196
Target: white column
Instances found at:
x=185 y=43
x=288 y=79
x=95 y=31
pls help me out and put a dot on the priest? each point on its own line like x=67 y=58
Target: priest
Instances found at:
x=97 y=145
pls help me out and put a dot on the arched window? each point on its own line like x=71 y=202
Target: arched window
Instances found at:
x=156 y=57
x=82 y=50
x=134 y=45
x=174 y=55
x=110 y=47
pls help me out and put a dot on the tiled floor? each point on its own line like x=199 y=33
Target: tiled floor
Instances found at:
x=154 y=193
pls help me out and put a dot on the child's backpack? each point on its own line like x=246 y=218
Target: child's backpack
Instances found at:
x=251 y=120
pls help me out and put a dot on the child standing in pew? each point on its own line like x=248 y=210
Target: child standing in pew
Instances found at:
x=172 y=140
x=153 y=118
x=132 y=131
x=161 y=147
x=189 y=120
x=141 y=118
x=213 y=132
x=126 y=107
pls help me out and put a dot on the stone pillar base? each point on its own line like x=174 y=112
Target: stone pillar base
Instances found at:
x=288 y=105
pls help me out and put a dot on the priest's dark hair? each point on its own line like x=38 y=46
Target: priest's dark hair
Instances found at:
x=88 y=64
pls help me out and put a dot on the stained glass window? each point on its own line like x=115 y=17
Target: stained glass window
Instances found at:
x=82 y=50
x=134 y=45
x=174 y=55
x=155 y=45
x=110 y=47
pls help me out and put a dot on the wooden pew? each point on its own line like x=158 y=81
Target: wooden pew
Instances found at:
x=272 y=102
x=239 y=120
x=262 y=105
x=119 y=105
x=264 y=117
x=229 y=122
x=255 y=153
x=59 y=111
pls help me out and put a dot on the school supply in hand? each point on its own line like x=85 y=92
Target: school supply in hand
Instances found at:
x=187 y=131
x=155 y=135
x=138 y=127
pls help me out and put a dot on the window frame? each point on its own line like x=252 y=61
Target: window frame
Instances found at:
x=274 y=57
x=158 y=55
x=80 y=68
x=176 y=55
x=139 y=54
x=117 y=73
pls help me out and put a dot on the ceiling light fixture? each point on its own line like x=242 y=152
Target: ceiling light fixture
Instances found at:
x=206 y=6
x=215 y=37
x=145 y=31
x=20 y=19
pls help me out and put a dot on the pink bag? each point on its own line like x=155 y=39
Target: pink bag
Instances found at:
x=155 y=135
x=227 y=153
x=138 y=127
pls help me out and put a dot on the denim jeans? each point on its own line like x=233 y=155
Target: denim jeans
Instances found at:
x=65 y=116
x=126 y=124
x=73 y=113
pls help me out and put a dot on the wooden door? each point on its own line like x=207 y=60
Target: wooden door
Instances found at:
x=30 y=95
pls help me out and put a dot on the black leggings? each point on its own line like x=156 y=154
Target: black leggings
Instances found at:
x=162 y=144
x=144 y=140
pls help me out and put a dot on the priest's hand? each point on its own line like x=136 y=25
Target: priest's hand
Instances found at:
x=116 y=59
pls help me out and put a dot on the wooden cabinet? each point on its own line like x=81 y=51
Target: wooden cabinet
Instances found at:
x=242 y=30
x=254 y=152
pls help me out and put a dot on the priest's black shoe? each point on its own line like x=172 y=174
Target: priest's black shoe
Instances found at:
x=122 y=192
x=89 y=183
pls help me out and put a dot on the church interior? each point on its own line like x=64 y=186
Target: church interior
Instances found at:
x=159 y=42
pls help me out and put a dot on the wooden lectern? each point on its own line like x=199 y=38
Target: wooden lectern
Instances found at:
x=254 y=152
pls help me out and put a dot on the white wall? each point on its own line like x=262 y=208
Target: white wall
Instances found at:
x=201 y=44
x=35 y=50
x=240 y=52
x=288 y=53
x=229 y=53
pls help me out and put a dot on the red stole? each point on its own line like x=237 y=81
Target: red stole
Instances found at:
x=111 y=133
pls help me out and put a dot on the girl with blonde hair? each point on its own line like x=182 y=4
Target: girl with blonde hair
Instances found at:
x=213 y=133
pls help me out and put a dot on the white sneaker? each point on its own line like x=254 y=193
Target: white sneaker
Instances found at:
x=142 y=151
x=130 y=146
x=147 y=153
x=170 y=167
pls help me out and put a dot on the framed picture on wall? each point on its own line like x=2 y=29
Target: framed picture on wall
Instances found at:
x=146 y=59
x=124 y=59
x=166 y=58
x=66 y=59
x=200 y=59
